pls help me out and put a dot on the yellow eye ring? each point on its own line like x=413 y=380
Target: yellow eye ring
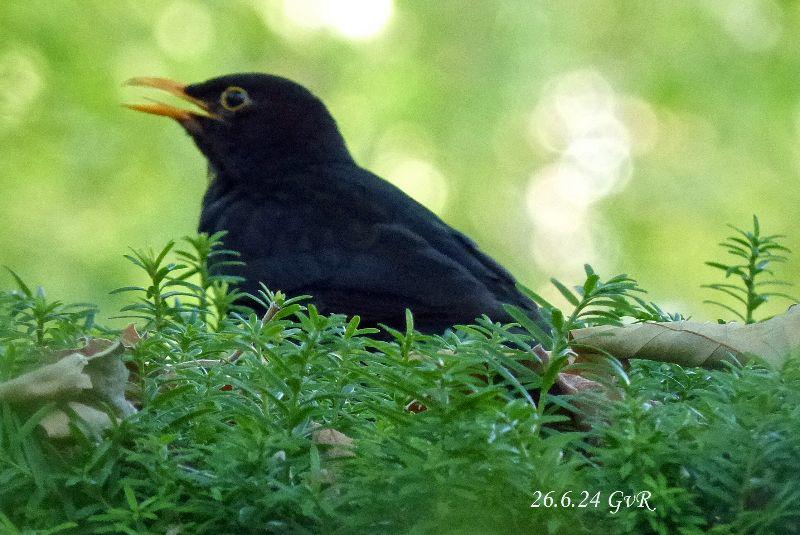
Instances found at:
x=234 y=98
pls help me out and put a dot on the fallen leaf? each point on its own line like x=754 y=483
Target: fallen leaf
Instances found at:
x=341 y=444
x=130 y=337
x=571 y=382
x=92 y=347
x=54 y=380
x=416 y=406
x=81 y=381
x=56 y=424
x=691 y=343
x=109 y=377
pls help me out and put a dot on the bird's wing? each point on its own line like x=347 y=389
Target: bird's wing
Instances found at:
x=360 y=248
x=499 y=281
x=446 y=240
x=391 y=267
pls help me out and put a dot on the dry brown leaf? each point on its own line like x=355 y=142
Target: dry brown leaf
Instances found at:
x=130 y=337
x=341 y=444
x=83 y=379
x=54 y=380
x=56 y=424
x=92 y=347
x=569 y=382
x=415 y=406
x=691 y=343
x=109 y=378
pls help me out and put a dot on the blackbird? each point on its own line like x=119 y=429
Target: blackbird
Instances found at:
x=308 y=220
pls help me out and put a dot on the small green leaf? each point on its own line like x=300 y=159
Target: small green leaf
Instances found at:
x=568 y=295
x=533 y=296
x=590 y=284
x=22 y=286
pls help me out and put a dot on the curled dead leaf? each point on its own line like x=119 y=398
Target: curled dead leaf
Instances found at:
x=52 y=381
x=692 y=343
x=83 y=381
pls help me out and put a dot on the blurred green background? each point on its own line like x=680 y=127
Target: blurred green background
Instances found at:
x=620 y=133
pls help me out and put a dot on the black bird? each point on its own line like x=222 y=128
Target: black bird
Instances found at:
x=308 y=220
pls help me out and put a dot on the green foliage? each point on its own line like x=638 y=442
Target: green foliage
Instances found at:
x=753 y=255
x=153 y=304
x=594 y=303
x=47 y=321
x=207 y=260
x=709 y=445
x=448 y=437
x=29 y=322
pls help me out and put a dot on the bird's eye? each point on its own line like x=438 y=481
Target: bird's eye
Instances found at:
x=234 y=98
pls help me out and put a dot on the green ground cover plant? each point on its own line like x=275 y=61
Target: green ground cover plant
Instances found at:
x=293 y=422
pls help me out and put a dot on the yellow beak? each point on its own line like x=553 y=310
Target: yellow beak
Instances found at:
x=173 y=88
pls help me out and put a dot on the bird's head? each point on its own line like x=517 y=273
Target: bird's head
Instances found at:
x=246 y=122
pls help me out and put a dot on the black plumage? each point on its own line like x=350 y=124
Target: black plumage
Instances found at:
x=308 y=220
